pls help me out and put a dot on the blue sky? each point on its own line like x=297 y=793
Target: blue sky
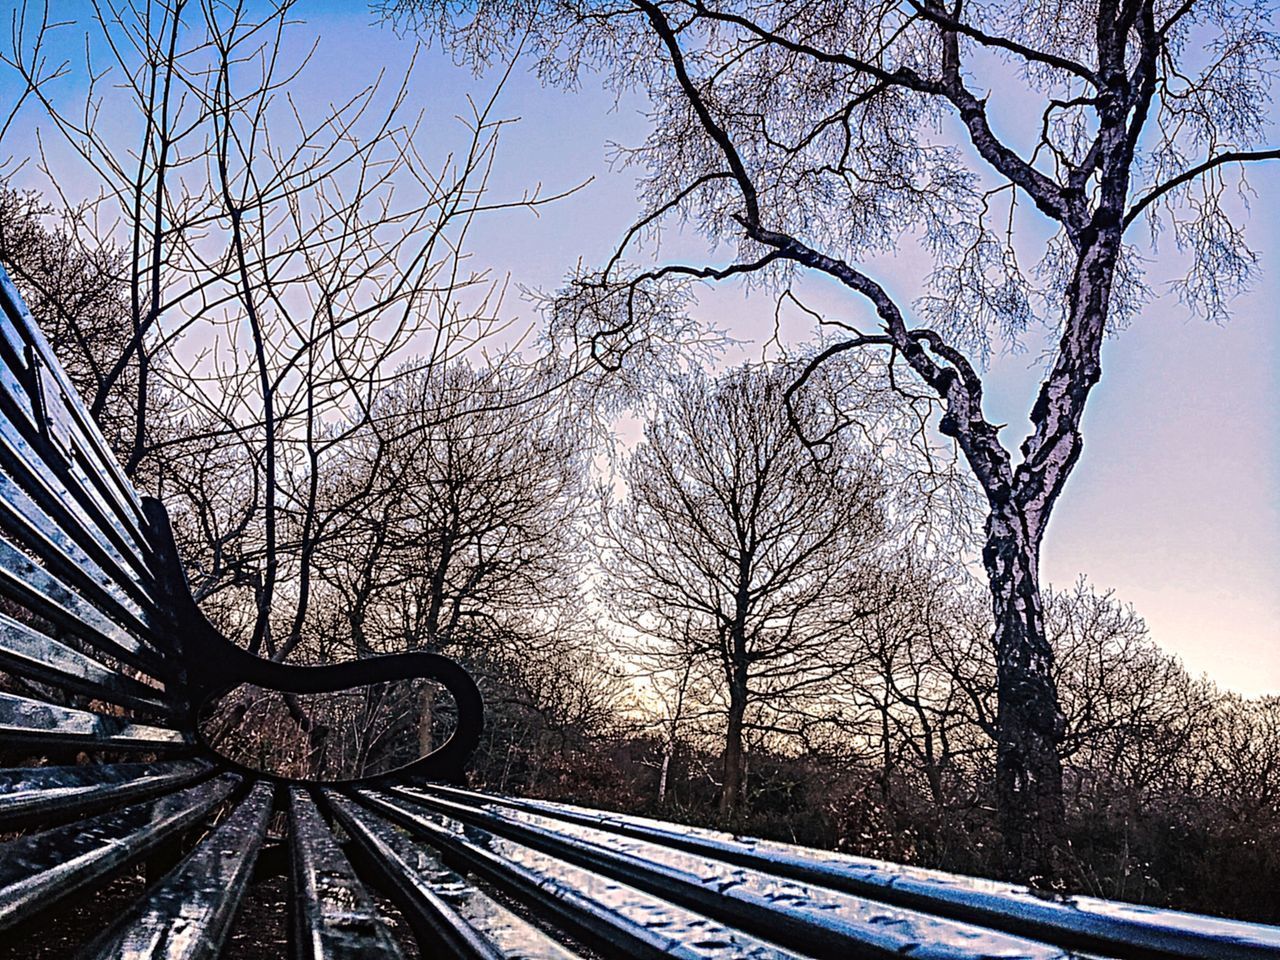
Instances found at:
x=1176 y=501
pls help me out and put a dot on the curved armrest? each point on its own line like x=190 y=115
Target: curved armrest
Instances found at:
x=214 y=665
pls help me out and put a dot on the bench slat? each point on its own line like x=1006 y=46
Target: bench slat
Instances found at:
x=75 y=510
x=37 y=533
x=32 y=795
x=35 y=723
x=808 y=918
x=60 y=455
x=78 y=418
x=38 y=870
x=1077 y=921
x=333 y=916
x=13 y=365
x=189 y=913
x=31 y=653
x=31 y=585
x=625 y=921
x=440 y=905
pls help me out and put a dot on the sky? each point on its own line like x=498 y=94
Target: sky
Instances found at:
x=1175 y=503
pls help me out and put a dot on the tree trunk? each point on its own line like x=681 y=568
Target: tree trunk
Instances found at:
x=673 y=734
x=426 y=721
x=667 y=751
x=731 y=791
x=1030 y=724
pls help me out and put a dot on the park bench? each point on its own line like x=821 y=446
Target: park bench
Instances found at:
x=108 y=661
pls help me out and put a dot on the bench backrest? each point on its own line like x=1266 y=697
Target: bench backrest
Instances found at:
x=85 y=635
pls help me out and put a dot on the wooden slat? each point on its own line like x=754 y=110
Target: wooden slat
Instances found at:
x=440 y=904
x=13 y=367
x=39 y=870
x=615 y=917
x=189 y=913
x=45 y=425
x=42 y=795
x=56 y=455
x=30 y=653
x=333 y=916
x=33 y=723
x=75 y=508
x=1081 y=922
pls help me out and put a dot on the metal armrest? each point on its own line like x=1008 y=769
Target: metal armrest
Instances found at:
x=212 y=665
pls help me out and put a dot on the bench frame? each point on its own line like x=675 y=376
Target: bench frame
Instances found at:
x=215 y=665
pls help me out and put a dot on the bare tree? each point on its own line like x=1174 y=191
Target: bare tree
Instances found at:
x=812 y=135
x=466 y=525
x=741 y=554
x=278 y=269
x=1240 y=760
x=445 y=521
x=76 y=295
x=1132 y=709
x=449 y=520
x=552 y=698
x=919 y=652
x=670 y=690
